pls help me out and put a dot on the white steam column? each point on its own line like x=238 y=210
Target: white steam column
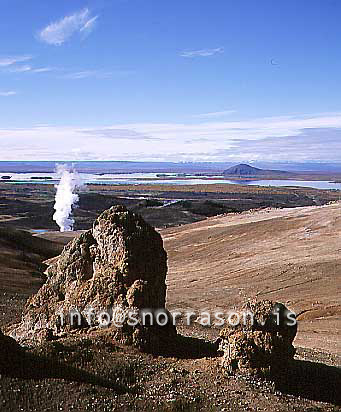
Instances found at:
x=66 y=197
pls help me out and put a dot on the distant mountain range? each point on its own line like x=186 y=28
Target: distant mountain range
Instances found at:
x=245 y=170
x=327 y=169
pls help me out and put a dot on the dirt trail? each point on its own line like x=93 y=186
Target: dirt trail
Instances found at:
x=290 y=255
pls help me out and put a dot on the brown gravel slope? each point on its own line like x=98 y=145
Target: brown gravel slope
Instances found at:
x=290 y=255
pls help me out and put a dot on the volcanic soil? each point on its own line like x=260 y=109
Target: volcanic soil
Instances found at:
x=289 y=255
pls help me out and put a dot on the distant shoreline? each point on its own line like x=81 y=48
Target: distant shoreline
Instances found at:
x=315 y=170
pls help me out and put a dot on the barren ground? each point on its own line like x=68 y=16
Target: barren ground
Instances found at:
x=290 y=255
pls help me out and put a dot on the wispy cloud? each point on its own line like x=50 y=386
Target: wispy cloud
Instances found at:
x=15 y=64
x=117 y=134
x=89 y=25
x=27 y=68
x=296 y=138
x=65 y=73
x=20 y=69
x=311 y=144
x=214 y=114
x=42 y=70
x=97 y=74
x=58 y=32
x=8 y=93
x=84 y=74
x=9 y=60
x=202 y=52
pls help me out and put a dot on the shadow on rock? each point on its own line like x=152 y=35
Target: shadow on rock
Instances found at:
x=315 y=381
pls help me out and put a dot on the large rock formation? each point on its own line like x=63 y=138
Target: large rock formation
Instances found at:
x=261 y=341
x=119 y=264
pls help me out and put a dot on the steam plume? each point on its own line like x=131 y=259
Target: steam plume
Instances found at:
x=65 y=197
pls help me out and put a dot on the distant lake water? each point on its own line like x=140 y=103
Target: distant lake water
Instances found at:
x=316 y=184
x=153 y=179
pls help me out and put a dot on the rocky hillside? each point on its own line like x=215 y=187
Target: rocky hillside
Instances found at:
x=245 y=170
x=288 y=255
x=218 y=263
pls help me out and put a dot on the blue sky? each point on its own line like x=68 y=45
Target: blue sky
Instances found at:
x=216 y=80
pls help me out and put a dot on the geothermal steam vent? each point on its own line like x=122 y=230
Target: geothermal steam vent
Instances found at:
x=66 y=198
x=119 y=263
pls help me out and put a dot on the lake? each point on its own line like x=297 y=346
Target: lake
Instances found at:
x=152 y=179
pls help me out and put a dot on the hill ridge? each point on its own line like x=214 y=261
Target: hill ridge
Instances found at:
x=243 y=169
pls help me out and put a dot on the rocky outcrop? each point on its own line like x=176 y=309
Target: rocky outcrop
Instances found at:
x=261 y=341
x=118 y=265
x=250 y=171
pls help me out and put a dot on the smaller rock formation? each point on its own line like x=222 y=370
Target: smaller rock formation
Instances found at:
x=117 y=267
x=261 y=341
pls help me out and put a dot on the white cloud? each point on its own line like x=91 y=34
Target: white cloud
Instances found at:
x=89 y=25
x=9 y=60
x=84 y=74
x=215 y=114
x=295 y=138
x=96 y=73
x=20 y=69
x=202 y=52
x=42 y=70
x=58 y=32
x=8 y=93
x=65 y=74
x=311 y=144
x=14 y=64
x=28 y=69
